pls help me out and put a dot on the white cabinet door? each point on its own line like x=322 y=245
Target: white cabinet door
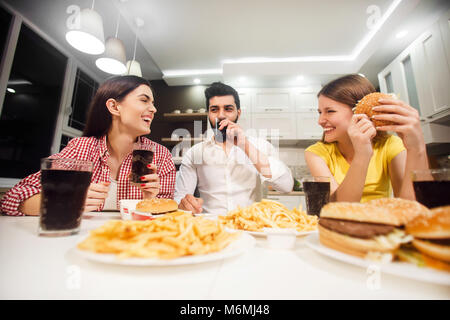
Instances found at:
x=305 y=101
x=433 y=72
x=273 y=100
x=281 y=125
x=444 y=26
x=245 y=122
x=246 y=100
x=308 y=126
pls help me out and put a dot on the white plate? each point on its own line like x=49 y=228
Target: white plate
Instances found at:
x=402 y=269
x=264 y=234
x=102 y=214
x=237 y=247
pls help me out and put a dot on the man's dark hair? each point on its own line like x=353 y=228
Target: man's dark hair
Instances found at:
x=219 y=89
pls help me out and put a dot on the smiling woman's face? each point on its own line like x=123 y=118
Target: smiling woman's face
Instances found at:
x=137 y=110
x=334 y=118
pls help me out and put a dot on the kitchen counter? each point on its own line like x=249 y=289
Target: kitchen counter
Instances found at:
x=50 y=268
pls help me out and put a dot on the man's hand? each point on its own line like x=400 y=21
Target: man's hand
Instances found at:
x=234 y=132
x=191 y=203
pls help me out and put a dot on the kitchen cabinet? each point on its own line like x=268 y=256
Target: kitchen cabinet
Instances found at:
x=290 y=112
x=444 y=27
x=420 y=76
x=307 y=126
x=305 y=99
x=246 y=100
x=433 y=72
x=273 y=100
x=283 y=125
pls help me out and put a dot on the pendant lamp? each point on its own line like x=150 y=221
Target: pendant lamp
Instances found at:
x=86 y=34
x=114 y=59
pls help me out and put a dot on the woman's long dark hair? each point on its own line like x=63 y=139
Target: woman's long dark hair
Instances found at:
x=99 y=118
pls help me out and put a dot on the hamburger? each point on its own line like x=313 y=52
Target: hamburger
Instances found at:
x=431 y=243
x=369 y=101
x=374 y=230
x=157 y=206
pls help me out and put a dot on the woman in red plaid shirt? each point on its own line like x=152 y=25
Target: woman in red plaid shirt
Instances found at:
x=120 y=114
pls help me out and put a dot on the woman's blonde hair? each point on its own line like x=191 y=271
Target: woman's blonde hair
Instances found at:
x=349 y=90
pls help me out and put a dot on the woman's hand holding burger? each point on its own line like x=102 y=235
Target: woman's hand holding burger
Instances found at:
x=404 y=120
x=361 y=132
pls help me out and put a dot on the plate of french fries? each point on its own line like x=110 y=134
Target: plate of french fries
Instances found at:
x=176 y=238
x=257 y=218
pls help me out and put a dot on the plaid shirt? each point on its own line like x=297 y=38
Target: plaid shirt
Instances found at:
x=95 y=150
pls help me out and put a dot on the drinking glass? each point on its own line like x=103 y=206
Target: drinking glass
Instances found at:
x=141 y=158
x=317 y=193
x=65 y=183
x=432 y=187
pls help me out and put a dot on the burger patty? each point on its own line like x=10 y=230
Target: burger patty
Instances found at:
x=442 y=242
x=356 y=229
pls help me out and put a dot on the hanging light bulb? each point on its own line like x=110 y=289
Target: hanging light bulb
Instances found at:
x=113 y=60
x=134 y=67
x=87 y=34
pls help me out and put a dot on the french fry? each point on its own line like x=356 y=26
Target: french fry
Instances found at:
x=268 y=214
x=170 y=236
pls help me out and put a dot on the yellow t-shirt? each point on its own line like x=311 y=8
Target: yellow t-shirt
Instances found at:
x=378 y=183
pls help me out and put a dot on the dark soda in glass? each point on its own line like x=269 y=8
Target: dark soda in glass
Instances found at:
x=432 y=194
x=140 y=160
x=432 y=187
x=65 y=183
x=63 y=197
x=317 y=195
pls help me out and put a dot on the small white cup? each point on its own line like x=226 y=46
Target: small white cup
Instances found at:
x=189 y=110
x=280 y=238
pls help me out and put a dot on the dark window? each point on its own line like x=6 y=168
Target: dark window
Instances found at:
x=64 y=141
x=5 y=22
x=31 y=106
x=83 y=92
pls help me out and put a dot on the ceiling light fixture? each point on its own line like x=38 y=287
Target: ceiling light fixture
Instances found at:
x=11 y=90
x=86 y=34
x=134 y=67
x=114 y=59
x=196 y=80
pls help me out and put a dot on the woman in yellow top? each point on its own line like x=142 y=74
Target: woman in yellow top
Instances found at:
x=363 y=161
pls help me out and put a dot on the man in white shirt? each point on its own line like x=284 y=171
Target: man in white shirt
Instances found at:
x=229 y=168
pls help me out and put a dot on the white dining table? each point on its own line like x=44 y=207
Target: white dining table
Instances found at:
x=34 y=267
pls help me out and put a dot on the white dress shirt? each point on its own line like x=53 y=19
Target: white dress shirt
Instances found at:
x=225 y=182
